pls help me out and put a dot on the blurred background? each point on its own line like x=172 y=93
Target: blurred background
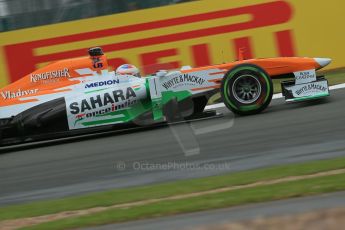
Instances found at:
x=166 y=34
x=18 y=14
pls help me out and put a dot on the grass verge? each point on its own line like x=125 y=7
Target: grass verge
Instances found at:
x=219 y=200
x=120 y=196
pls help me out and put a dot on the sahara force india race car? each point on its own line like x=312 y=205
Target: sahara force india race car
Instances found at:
x=81 y=95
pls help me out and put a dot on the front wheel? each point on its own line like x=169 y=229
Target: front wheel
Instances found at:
x=247 y=89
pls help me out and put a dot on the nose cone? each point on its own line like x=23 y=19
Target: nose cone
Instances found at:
x=323 y=61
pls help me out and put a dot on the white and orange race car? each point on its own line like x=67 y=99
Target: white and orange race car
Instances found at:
x=82 y=94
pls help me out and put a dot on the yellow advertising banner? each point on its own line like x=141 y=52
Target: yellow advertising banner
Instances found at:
x=196 y=33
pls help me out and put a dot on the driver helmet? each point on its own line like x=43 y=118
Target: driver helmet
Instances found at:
x=128 y=69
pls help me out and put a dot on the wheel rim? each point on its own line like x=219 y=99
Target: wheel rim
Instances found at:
x=246 y=89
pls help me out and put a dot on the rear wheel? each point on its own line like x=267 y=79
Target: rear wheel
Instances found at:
x=247 y=89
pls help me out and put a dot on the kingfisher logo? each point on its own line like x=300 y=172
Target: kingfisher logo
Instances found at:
x=102 y=83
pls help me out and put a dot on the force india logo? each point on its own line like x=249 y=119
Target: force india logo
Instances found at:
x=110 y=102
x=184 y=79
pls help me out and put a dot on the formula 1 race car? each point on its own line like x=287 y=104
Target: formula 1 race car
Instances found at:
x=79 y=95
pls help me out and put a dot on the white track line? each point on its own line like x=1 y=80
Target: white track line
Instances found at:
x=339 y=86
x=275 y=96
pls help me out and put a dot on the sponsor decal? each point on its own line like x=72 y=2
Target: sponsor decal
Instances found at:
x=127 y=96
x=19 y=93
x=108 y=106
x=314 y=87
x=102 y=83
x=50 y=76
x=309 y=89
x=104 y=111
x=305 y=76
x=185 y=79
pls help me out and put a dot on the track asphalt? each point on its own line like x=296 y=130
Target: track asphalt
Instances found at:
x=284 y=133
